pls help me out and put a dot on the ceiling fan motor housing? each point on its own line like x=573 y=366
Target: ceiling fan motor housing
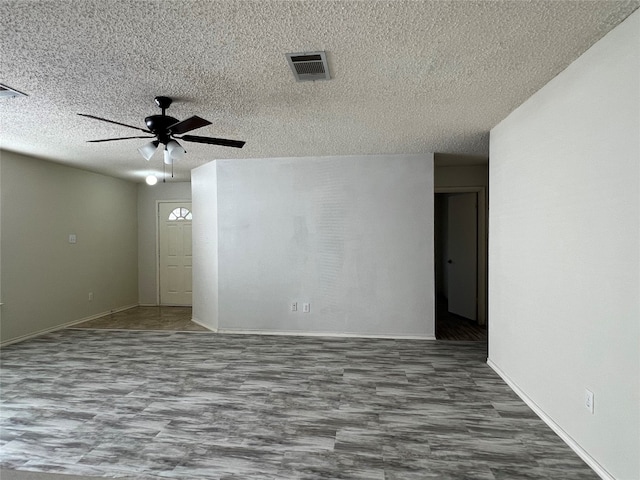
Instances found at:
x=159 y=125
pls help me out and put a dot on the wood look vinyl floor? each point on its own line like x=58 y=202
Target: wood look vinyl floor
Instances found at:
x=165 y=405
x=147 y=318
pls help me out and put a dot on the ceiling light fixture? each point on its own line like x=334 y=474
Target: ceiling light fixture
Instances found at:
x=151 y=179
x=173 y=151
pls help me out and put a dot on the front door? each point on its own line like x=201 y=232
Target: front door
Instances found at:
x=174 y=238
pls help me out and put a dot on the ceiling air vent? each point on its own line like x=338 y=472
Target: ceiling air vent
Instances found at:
x=309 y=66
x=8 y=92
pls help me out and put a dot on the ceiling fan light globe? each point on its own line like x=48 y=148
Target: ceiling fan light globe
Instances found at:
x=168 y=160
x=148 y=150
x=175 y=150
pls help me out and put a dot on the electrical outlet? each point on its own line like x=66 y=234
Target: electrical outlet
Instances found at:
x=306 y=307
x=588 y=400
x=294 y=306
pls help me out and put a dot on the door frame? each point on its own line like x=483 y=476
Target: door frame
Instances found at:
x=483 y=236
x=158 y=202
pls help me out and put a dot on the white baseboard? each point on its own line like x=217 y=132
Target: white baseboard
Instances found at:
x=588 y=459
x=321 y=334
x=22 y=338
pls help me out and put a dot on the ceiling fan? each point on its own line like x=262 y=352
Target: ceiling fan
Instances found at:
x=165 y=129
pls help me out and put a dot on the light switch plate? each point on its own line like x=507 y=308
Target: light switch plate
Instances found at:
x=588 y=400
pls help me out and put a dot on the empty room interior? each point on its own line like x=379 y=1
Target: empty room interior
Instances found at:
x=320 y=240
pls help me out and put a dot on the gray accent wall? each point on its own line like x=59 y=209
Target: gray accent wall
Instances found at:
x=564 y=251
x=46 y=280
x=352 y=236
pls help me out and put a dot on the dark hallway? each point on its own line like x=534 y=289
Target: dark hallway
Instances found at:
x=450 y=326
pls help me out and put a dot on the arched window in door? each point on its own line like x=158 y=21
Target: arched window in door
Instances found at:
x=180 y=213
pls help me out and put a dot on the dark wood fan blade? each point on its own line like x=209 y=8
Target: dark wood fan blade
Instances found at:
x=114 y=122
x=188 y=124
x=213 y=141
x=112 y=139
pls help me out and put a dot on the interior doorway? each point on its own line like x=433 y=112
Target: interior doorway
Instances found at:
x=460 y=263
x=174 y=253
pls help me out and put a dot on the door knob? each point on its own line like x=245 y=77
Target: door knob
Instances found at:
x=449 y=261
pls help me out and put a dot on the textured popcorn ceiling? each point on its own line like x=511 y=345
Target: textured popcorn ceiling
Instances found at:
x=407 y=76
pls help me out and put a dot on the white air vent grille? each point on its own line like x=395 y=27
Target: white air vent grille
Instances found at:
x=309 y=66
x=8 y=92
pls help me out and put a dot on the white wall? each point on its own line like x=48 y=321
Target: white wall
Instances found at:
x=45 y=279
x=1 y=297
x=353 y=236
x=148 y=198
x=204 y=183
x=564 y=260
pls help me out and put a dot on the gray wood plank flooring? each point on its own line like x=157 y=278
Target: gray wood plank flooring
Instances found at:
x=158 y=405
x=177 y=319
